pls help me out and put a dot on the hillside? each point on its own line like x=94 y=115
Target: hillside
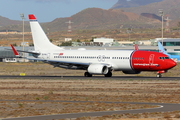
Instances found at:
x=132 y=3
x=93 y=18
x=5 y=21
x=12 y=25
x=96 y=18
x=170 y=8
x=144 y=16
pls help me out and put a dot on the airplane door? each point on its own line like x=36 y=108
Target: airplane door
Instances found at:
x=151 y=60
x=46 y=55
x=101 y=58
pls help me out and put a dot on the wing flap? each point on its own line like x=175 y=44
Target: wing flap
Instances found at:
x=57 y=63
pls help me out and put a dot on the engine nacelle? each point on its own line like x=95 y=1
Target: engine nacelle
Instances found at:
x=131 y=72
x=98 y=69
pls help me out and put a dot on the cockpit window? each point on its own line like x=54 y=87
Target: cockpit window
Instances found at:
x=162 y=58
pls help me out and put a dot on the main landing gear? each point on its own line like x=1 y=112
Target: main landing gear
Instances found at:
x=109 y=74
x=87 y=74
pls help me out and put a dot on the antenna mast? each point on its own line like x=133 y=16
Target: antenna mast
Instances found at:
x=69 y=25
x=167 y=24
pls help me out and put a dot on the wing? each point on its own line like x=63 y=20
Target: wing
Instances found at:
x=69 y=65
x=65 y=64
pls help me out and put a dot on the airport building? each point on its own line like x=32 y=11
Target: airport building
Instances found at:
x=170 y=42
x=166 y=41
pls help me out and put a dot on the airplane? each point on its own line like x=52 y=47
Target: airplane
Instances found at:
x=96 y=62
x=162 y=50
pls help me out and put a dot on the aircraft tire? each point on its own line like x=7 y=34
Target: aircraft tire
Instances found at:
x=86 y=74
x=109 y=74
x=159 y=75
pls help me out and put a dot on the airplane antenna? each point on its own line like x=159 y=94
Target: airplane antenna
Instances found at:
x=69 y=25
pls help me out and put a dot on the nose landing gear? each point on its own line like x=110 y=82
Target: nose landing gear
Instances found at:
x=159 y=73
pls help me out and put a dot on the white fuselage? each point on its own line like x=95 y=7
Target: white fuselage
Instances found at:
x=119 y=60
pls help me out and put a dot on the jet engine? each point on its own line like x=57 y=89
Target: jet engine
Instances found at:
x=131 y=72
x=98 y=69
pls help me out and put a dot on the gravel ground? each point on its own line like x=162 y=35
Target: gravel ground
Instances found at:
x=82 y=90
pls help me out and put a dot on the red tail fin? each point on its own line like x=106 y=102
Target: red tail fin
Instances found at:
x=15 y=51
x=136 y=47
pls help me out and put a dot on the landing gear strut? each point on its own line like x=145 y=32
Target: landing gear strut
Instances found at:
x=86 y=74
x=159 y=75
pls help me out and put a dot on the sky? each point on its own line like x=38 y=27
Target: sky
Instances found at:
x=48 y=10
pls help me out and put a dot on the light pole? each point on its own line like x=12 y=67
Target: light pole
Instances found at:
x=129 y=30
x=22 y=16
x=161 y=13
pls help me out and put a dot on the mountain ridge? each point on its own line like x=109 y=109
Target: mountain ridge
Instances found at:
x=97 y=18
x=132 y=3
x=6 y=21
x=171 y=8
x=145 y=16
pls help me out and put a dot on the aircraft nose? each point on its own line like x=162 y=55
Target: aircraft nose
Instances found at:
x=172 y=63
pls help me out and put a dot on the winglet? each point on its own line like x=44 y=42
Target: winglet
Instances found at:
x=32 y=17
x=136 y=47
x=15 y=51
x=161 y=49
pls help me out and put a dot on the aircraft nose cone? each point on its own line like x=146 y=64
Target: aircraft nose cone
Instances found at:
x=172 y=64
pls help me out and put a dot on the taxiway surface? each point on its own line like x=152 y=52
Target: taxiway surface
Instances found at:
x=163 y=107
x=94 y=77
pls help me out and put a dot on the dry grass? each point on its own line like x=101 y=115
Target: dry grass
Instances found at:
x=84 y=90
x=41 y=69
x=81 y=90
